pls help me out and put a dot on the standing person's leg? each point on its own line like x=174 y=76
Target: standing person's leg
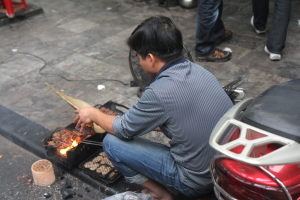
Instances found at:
x=207 y=20
x=219 y=33
x=278 y=30
x=140 y=160
x=259 y=19
x=210 y=32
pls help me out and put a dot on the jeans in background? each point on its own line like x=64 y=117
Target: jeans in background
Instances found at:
x=278 y=29
x=209 y=25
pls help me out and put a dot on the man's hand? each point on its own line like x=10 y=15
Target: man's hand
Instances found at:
x=85 y=115
x=158 y=129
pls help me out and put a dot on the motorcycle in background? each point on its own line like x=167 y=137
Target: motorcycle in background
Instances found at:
x=142 y=79
x=257 y=142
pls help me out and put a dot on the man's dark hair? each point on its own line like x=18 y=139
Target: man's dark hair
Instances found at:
x=157 y=35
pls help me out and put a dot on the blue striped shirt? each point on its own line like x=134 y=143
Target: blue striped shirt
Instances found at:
x=185 y=101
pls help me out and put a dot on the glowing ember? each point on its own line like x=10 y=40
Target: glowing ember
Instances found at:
x=64 y=151
x=74 y=143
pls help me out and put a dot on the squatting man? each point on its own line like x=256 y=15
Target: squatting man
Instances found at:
x=184 y=101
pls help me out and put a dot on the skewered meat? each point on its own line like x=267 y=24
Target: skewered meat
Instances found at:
x=64 y=137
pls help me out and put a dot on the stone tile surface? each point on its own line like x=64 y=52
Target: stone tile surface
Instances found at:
x=78 y=25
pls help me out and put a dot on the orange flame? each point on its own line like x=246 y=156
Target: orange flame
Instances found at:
x=64 y=151
x=74 y=143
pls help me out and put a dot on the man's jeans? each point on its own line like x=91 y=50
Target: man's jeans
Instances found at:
x=278 y=29
x=140 y=159
x=209 y=25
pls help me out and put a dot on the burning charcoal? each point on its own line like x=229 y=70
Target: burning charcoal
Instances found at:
x=46 y=195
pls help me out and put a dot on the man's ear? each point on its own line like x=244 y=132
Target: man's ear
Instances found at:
x=152 y=58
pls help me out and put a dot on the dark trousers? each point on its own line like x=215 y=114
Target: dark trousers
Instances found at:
x=209 y=25
x=278 y=29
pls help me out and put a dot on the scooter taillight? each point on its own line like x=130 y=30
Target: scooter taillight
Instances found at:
x=232 y=135
x=247 y=182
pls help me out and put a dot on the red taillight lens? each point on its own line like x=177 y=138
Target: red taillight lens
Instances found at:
x=248 y=186
x=233 y=132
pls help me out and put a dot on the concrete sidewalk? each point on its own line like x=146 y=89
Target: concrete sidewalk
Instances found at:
x=76 y=45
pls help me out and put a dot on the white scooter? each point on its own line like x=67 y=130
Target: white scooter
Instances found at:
x=257 y=142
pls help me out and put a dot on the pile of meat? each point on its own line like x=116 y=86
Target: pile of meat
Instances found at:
x=101 y=165
x=64 y=138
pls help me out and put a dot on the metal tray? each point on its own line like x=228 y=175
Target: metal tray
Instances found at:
x=109 y=178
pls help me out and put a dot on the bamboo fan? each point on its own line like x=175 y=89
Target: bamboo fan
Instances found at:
x=75 y=103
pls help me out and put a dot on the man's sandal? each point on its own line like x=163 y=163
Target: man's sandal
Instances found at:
x=216 y=55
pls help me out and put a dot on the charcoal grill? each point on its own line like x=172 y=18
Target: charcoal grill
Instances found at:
x=77 y=156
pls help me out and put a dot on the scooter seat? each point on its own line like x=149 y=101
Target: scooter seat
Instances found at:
x=277 y=110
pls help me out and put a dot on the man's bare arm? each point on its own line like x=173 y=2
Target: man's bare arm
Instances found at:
x=87 y=115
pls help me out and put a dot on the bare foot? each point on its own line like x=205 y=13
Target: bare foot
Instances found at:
x=145 y=191
x=156 y=190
